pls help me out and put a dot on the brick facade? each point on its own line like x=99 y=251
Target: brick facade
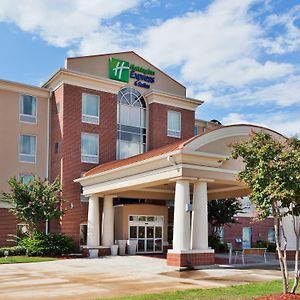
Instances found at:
x=190 y=260
x=8 y=226
x=157 y=132
x=66 y=130
x=259 y=230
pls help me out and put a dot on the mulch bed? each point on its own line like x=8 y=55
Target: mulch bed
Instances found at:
x=280 y=297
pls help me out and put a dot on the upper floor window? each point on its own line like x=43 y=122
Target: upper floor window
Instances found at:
x=174 y=124
x=131 y=118
x=28 y=109
x=27 y=148
x=89 y=148
x=26 y=178
x=90 y=108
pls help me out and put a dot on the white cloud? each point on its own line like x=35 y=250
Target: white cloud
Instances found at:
x=220 y=46
x=286 y=123
x=284 y=93
x=62 y=22
x=289 y=40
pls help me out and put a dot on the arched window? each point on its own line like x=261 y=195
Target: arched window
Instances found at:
x=131 y=132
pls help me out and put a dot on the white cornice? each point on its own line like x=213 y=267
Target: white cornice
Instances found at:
x=172 y=100
x=112 y=86
x=24 y=88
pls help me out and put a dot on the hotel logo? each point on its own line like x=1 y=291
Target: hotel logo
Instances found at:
x=118 y=69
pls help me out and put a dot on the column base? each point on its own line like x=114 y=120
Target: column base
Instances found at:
x=94 y=252
x=190 y=258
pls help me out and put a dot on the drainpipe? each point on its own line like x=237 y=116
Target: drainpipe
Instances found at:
x=48 y=152
x=171 y=160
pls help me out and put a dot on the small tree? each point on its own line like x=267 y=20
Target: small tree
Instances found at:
x=34 y=202
x=221 y=212
x=272 y=172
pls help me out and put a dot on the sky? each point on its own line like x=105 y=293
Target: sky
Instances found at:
x=242 y=57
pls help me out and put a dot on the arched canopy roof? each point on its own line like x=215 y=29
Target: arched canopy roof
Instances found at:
x=202 y=157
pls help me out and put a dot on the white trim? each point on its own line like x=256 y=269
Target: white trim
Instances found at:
x=225 y=132
x=5 y=205
x=23 y=88
x=191 y=251
x=36 y=146
x=25 y=115
x=94 y=158
x=85 y=118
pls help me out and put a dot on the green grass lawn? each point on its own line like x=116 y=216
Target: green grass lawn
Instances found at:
x=239 y=292
x=23 y=259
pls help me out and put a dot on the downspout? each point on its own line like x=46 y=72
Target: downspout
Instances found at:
x=48 y=153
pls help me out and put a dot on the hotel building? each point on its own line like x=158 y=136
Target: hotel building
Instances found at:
x=133 y=162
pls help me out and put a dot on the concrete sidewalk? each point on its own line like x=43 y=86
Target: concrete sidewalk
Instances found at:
x=113 y=276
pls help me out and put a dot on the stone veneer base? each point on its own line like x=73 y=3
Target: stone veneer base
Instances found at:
x=190 y=259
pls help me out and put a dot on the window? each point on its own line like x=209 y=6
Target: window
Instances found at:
x=83 y=234
x=21 y=230
x=89 y=148
x=90 y=108
x=174 y=124
x=271 y=235
x=27 y=148
x=131 y=132
x=56 y=148
x=26 y=178
x=28 y=109
x=196 y=130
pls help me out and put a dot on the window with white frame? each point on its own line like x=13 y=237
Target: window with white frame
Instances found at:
x=131 y=119
x=27 y=148
x=26 y=178
x=90 y=108
x=83 y=234
x=28 y=109
x=89 y=148
x=174 y=124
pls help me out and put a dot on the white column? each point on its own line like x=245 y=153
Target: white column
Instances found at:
x=93 y=222
x=199 y=237
x=181 y=235
x=108 y=222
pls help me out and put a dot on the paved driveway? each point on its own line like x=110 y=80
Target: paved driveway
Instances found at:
x=112 y=276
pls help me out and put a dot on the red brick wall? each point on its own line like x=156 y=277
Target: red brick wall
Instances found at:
x=157 y=130
x=68 y=161
x=8 y=225
x=259 y=230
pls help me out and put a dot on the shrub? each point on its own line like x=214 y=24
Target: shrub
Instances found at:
x=13 y=251
x=47 y=244
x=215 y=243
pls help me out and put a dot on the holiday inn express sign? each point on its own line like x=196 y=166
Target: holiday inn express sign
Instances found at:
x=122 y=70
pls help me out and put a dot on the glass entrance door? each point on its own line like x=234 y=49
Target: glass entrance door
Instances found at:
x=148 y=231
x=247 y=233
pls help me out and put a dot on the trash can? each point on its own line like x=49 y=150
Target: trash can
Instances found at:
x=132 y=247
x=122 y=246
x=114 y=250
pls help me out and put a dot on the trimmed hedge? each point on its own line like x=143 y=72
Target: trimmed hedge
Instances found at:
x=47 y=244
x=13 y=251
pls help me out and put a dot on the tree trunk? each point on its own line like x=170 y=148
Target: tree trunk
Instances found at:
x=281 y=257
x=296 y=274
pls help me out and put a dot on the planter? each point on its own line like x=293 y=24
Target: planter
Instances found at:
x=132 y=247
x=122 y=246
x=114 y=250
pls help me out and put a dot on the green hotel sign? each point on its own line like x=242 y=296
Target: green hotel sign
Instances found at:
x=122 y=70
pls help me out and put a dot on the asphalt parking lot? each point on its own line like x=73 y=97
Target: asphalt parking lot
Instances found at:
x=114 y=276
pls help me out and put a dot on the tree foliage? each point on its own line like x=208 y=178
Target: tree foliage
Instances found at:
x=272 y=172
x=35 y=201
x=222 y=211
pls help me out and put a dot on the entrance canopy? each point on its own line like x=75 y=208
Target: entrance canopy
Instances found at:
x=152 y=175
